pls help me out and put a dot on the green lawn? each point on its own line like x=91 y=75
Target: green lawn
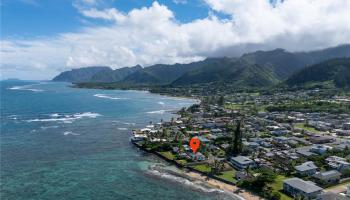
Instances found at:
x=277 y=186
x=202 y=168
x=168 y=155
x=303 y=126
x=233 y=106
x=228 y=176
x=181 y=162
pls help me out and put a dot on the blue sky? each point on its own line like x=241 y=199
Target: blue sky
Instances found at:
x=38 y=18
x=41 y=38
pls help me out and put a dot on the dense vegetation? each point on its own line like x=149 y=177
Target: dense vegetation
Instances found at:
x=311 y=106
x=335 y=71
x=258 y=69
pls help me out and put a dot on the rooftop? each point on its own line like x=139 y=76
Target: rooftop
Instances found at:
x=242 y=160
x=306 y=166
x=305 y=186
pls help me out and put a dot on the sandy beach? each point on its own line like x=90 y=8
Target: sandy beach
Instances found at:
x=224 y=186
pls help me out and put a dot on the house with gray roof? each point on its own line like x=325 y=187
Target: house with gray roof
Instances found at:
x=332 y=176
x=242 y=162
x=331 y=196
x=297 y=187
x=306 y=169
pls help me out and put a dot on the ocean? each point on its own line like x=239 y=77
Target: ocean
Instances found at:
x=59 y=142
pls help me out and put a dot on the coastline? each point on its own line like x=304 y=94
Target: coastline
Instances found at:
x=238 y=192
x=213 y=182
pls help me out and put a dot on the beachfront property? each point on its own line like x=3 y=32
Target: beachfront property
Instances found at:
x=297 y=187
x=242 y=162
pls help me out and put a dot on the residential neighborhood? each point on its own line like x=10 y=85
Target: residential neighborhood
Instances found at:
x=289 y=154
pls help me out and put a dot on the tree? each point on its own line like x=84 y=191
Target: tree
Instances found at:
x=237 y=141
x=275 y=196
x=221 y=101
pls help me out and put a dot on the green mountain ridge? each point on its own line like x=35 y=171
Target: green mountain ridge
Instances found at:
x=257 y=69
x=334 y=71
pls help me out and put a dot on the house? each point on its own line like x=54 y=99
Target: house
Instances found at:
x=331 y=196
x=298 y=187
x=251 y=145
x=197 y=156
x=281 y=139
x=320 y=149
x=346 y=126
x=242 y=175
x=175 y=149
x=331 y=176
x=186 y=147
x=242 y=162
x=306 y=169
x=321 y=139
x=203 y=140
x=335 y=159
x=305 y=152
x=338 y=163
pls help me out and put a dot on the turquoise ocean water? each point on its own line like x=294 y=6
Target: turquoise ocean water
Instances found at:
x=59 y=142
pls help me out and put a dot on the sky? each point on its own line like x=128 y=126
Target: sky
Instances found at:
x=41 y=38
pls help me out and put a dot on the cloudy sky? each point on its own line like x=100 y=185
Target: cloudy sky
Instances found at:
x=42 y=38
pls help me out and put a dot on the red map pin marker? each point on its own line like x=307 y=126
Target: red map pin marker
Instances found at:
x=194 y=144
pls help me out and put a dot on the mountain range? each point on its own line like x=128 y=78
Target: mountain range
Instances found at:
x=260 y=68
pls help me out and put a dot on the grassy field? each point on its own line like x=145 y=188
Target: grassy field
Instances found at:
x=228 y=175
x=303 y=126
x=181 y=162
x=202 y=168
x=277 y=186
x=168 y=155
x=233 y=106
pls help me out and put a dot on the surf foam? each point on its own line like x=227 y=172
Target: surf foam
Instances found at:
x=108 y=97
x=26 y=87
x=158 y=111
x=70 y=133
x=66 y=118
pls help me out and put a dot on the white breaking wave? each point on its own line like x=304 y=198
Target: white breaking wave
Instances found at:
x=197 y=184
x=26 y=87
x=108 y=97
x=158 y=111
x=161 y=103
x=123 y=129
x=66 y=118
x=70 y=133
x=128 y=123
x=48 y=127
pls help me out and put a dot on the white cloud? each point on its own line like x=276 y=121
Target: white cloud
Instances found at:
x=111 y=14
x=152 y=35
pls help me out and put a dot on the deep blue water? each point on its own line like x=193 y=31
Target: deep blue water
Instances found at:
x=59 y=142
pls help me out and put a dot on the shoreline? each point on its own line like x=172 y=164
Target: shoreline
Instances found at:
x=213 y=182
x=231 y=189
